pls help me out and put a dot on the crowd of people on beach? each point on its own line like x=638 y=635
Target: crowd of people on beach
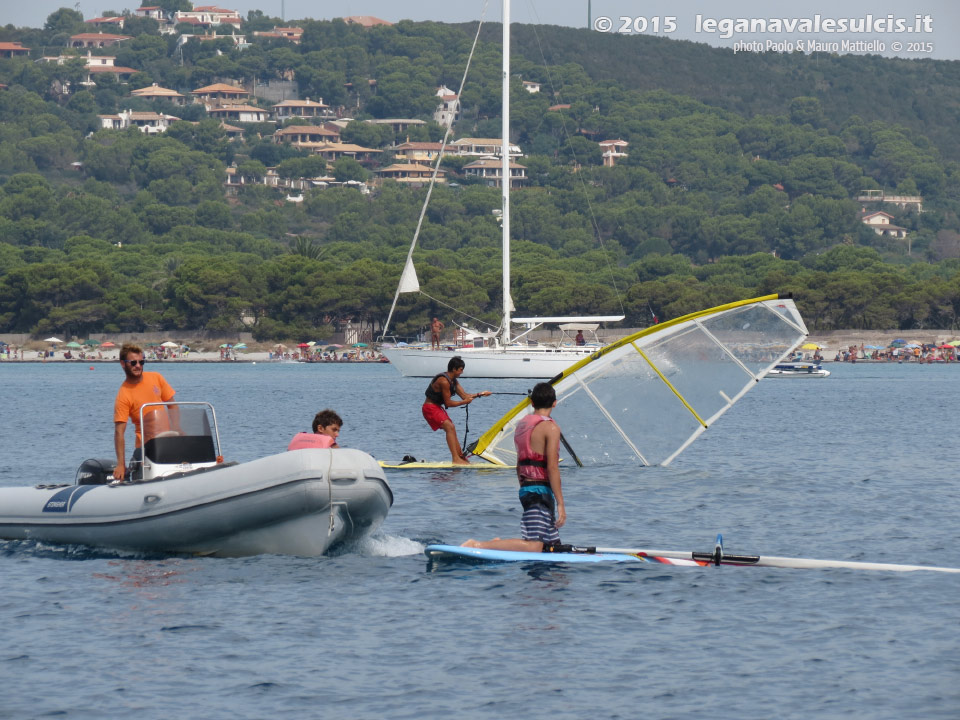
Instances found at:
x=897 y=352
x=327 y=357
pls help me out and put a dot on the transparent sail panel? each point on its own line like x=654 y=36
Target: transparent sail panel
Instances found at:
x=624 y=413
x=757 y=336
x=644 y=400
x=702 y=371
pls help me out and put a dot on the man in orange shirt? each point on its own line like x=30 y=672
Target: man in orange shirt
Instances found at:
x=139 y=388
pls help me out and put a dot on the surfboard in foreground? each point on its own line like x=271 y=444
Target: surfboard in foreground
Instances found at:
x=579 y=554
x=646 y=397
x=455 y=553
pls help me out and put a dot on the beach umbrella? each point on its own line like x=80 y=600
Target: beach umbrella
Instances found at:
x=73 y=344
x=53 y=340
x=359 y=345
x=225 y=345
x=108 y=344
x=90 y=342
x=240 y=346
x=312 y=343
x=954 y=343
x=811 y=346
x=169 y=344
x=303 y=345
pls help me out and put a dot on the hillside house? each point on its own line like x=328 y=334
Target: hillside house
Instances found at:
x=13 y=49
x=292 y=34
x=208 y=16
x=149 y=123
x=901 y=201
x=238 y=113
x=306 y=135
x=413 y=174
x=305 y=109
x=421 y=153
x=220 y=94
x=612 y=151
x=530 y=86
x=109 y=23
x=232 y=131
x=95 y=65
x=399 y=125
x=491 y=171
x=448 y=111
x=880 y=223
x=481 y=147
x=155 y=92
x=96 y=40
x=151 y=11
x=331 y=152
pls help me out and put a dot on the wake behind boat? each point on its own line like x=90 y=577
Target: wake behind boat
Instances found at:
x=188 y=500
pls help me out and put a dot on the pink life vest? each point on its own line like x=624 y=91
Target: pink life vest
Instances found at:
x=302 y=441
x=531 y=466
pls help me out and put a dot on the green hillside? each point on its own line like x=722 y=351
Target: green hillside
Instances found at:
x=741 y=178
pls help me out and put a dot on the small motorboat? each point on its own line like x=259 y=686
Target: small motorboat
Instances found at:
x=798 y=369
x=183 y=498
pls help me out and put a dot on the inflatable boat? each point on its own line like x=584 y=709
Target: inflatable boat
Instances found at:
x=183 y=498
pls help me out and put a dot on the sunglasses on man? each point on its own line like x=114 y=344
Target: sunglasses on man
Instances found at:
x=135 y=362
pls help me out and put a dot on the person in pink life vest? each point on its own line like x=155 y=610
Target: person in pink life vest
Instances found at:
x=537 y=439
x=326 y=428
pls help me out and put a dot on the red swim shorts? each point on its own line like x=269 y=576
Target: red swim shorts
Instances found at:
x=434 y=415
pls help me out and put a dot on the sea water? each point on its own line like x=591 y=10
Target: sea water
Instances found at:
x=861 y=466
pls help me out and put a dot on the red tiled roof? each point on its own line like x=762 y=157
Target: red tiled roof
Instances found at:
x=219 y=87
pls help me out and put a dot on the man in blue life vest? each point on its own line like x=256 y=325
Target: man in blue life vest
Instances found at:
x=537 y=438
x=439 y=395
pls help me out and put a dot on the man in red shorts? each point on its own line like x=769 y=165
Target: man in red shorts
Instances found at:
x=439 y=395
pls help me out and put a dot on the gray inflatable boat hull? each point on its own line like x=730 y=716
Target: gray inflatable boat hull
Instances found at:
x=301 y=502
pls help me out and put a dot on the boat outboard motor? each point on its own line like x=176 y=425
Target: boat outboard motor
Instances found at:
x=96 y=471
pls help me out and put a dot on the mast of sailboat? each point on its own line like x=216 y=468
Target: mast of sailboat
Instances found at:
x=505 y=173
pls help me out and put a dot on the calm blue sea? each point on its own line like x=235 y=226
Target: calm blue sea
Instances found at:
x=861 y=465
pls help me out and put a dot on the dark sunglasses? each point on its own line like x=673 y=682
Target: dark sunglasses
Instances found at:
x=135 y=362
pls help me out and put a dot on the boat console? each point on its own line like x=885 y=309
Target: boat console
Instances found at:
x=178 y=437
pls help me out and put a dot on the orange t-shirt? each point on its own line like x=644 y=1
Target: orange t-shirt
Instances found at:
x=132 y=396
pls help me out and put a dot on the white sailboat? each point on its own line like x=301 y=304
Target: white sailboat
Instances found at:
x=497 y=355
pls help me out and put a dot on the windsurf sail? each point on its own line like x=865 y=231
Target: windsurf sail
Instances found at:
x=645 y=398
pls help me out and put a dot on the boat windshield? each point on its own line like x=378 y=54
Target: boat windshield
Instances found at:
x=177 y=435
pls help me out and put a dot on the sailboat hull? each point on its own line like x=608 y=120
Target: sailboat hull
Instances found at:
x=532 y=363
